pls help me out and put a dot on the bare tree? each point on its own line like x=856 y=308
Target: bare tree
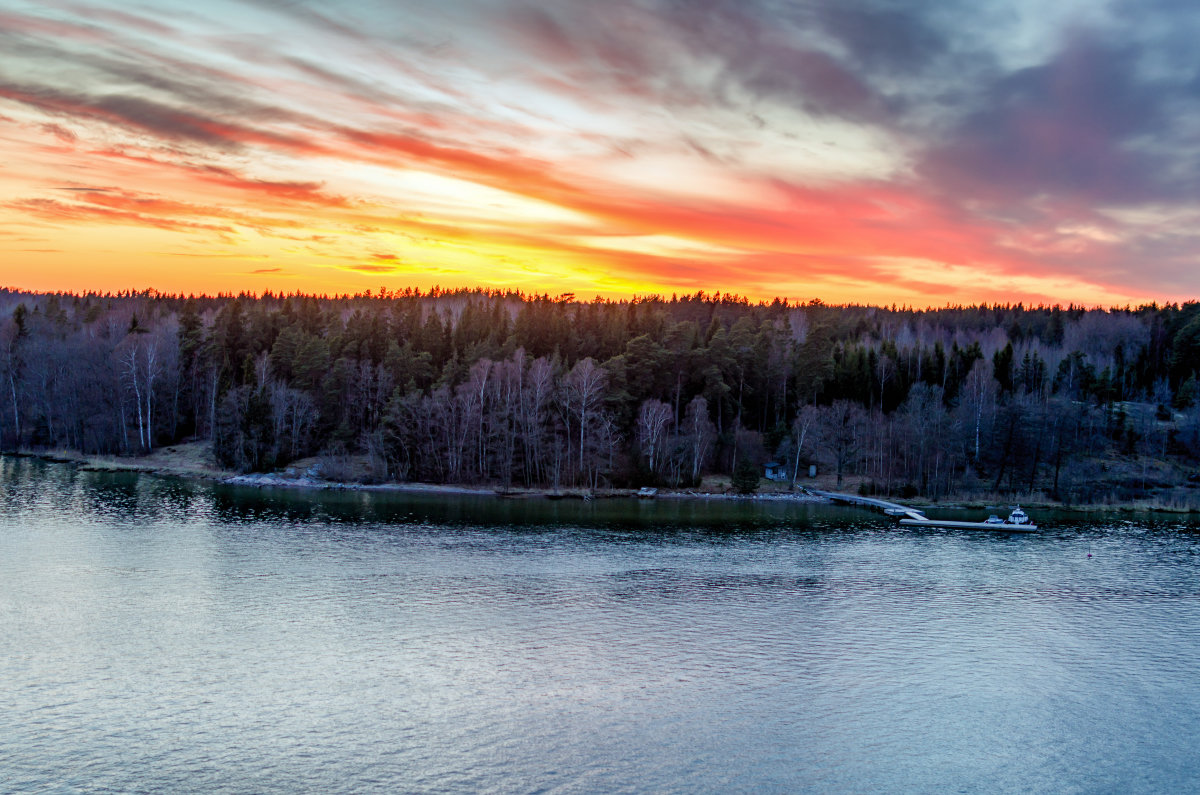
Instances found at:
x=653 y=422
x=142 y=365
x=978 y=402
x=505 y=405
x=805 y=430
x=293 y=414
x=923 y=422
x=536 y=398
x=12 y=361
x=584 y=388
x=473 y=396
x=131 y=374
x=700 y=435
x=841 y=432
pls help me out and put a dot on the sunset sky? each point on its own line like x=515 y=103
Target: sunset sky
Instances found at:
x=918 y=153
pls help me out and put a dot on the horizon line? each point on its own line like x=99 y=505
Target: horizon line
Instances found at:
x=570 y=298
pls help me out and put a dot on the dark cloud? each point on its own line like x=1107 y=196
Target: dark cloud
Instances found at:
x=146 y=116
x=1078 y=126
x=120 y=19
x=60 y=132
x=542 y=30
x=600 y=51
x=804 y=77
x=109 y=77
x=652 y=50
x=13 y=24
x=354 y=86
x=304 y=12
x=215 y=93
x=890 y=37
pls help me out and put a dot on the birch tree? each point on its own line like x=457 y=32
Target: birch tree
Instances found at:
x=700 y=434
x=584 y=387
x=653 y=423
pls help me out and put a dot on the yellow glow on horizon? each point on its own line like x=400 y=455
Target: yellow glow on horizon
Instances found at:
x=449 y=197
x=975 y=284
x=657 y=245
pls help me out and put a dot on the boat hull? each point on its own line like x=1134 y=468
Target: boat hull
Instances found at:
x=996 y=528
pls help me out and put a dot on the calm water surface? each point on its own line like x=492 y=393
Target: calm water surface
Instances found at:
x=157 y=635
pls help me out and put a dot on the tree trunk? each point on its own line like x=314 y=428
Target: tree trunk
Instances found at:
x=12 y=385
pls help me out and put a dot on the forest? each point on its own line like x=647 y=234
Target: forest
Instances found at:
x=510 y=390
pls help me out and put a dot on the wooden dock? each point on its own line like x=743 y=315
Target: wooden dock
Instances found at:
x=883 y=506
x=911 y=517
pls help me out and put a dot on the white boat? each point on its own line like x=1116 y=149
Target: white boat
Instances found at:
x=1017 y=522
x=1018 y=517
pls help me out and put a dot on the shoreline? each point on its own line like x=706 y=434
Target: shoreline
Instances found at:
x=162 y=463
x=156 y=466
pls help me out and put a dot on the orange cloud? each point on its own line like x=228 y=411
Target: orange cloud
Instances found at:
x=635 y=150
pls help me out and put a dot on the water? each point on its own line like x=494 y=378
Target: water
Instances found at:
x=157 y=635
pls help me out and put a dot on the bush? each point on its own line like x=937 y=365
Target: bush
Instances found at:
x=745 y=477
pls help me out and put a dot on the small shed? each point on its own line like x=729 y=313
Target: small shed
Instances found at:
x=773 y=470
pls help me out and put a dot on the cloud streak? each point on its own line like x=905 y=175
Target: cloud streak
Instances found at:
x=816 y=149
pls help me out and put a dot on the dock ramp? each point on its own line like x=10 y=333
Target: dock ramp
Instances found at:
x=883 y=506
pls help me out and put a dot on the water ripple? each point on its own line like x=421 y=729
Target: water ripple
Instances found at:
x=161 y=636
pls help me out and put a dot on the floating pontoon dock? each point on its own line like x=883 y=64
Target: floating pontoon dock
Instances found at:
x=911 y=517
x=883 y=506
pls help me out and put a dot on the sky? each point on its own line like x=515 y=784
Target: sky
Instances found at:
x=852 y=151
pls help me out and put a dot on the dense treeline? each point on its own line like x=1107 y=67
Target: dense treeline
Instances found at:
x=500 y=388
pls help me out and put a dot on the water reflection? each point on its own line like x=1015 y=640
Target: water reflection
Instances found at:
x=162 y=634
x=235 y=503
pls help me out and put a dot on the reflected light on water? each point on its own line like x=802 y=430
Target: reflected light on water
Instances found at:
x=163 y=635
